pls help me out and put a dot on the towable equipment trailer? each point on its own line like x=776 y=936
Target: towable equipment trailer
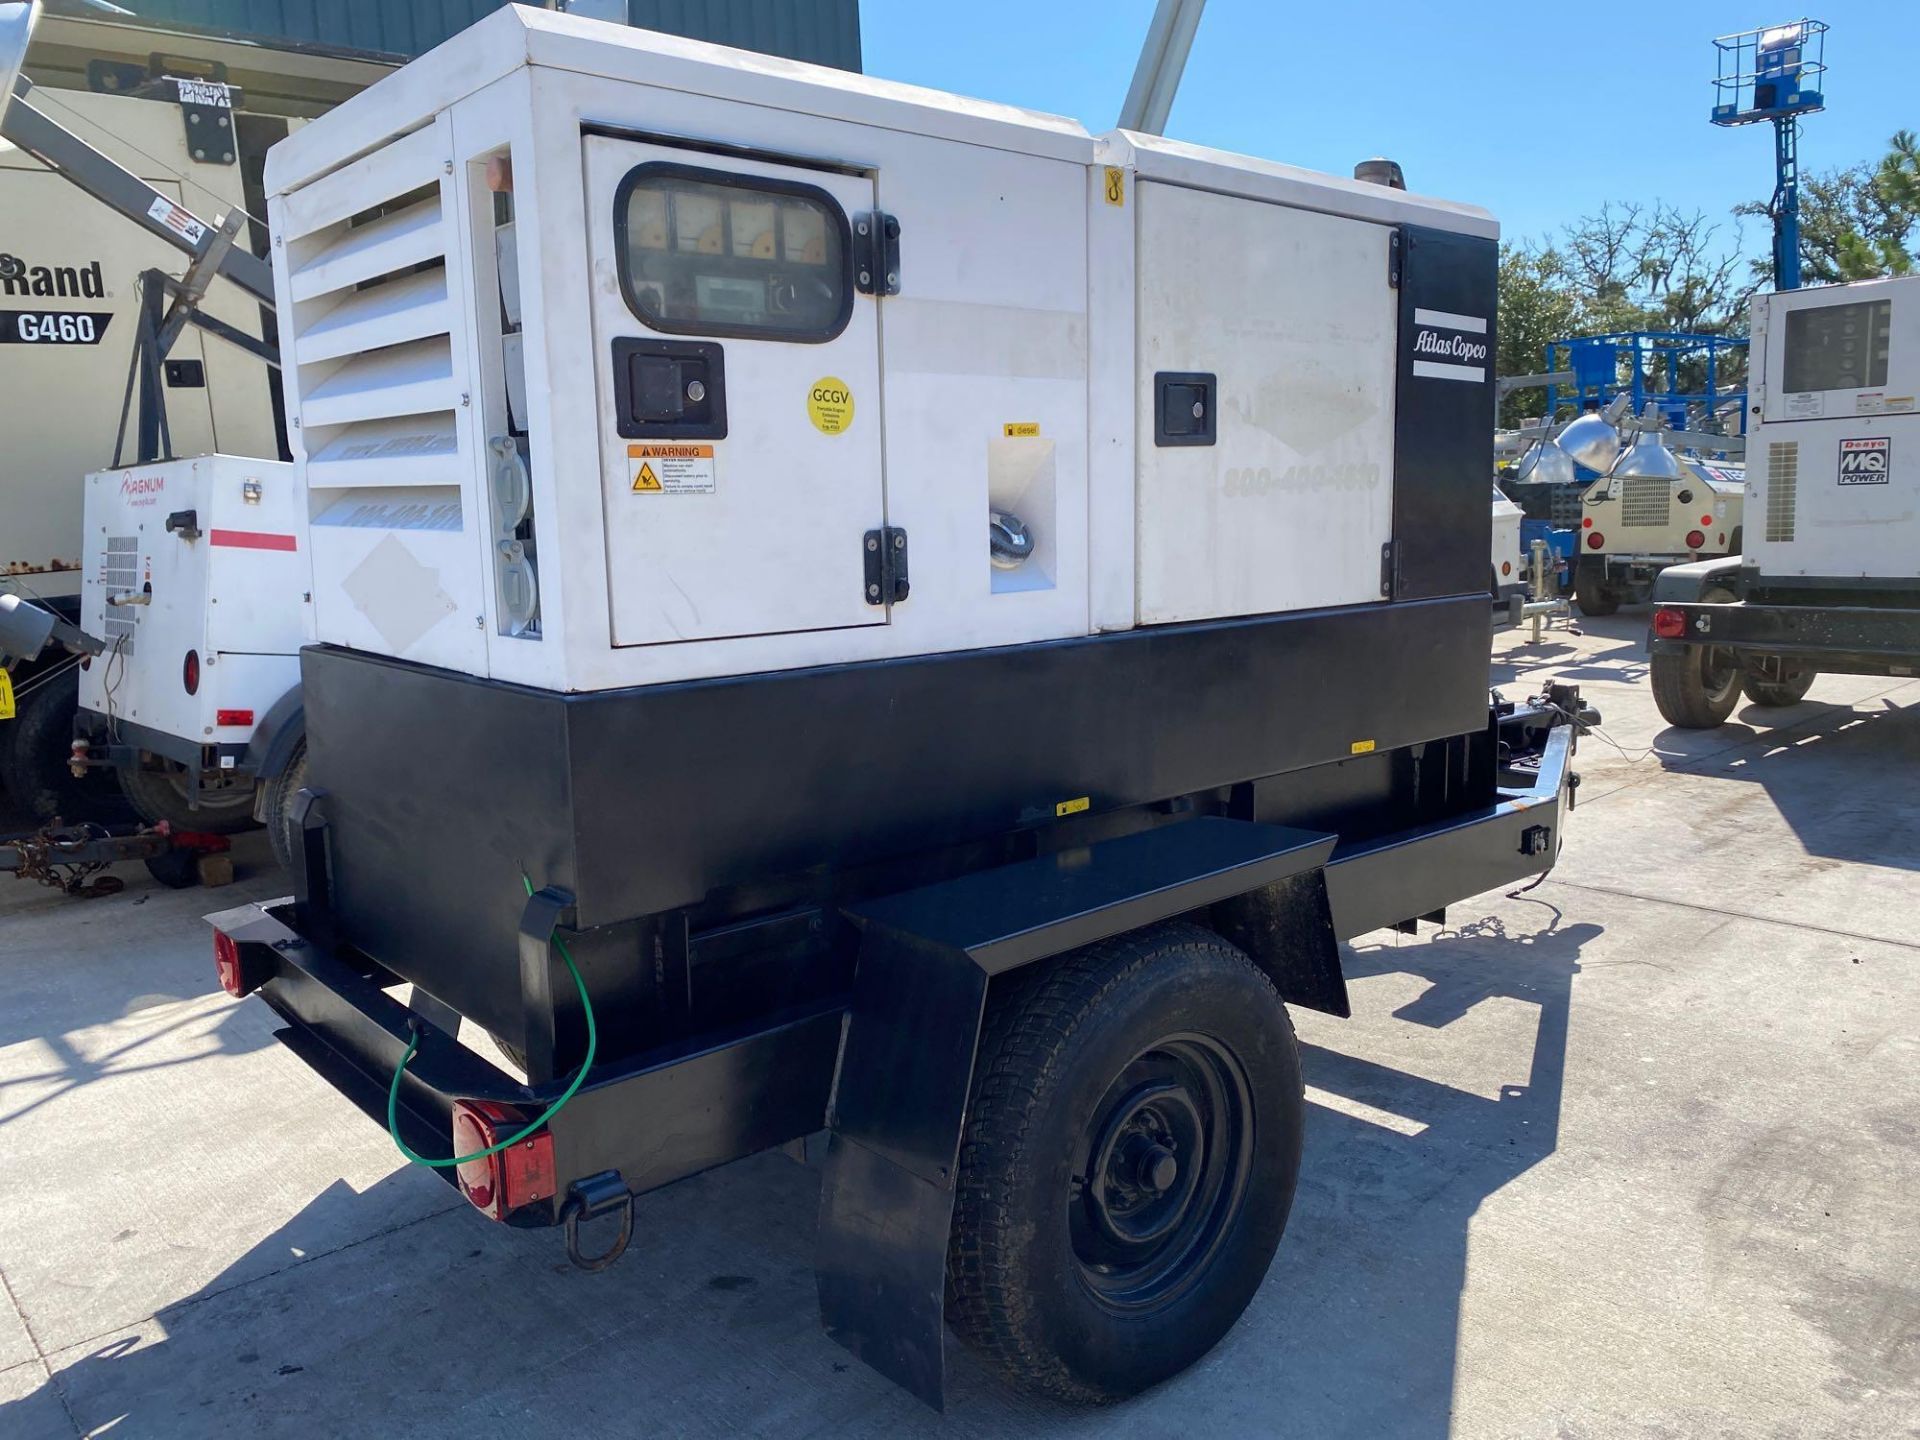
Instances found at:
x=1830 y=581
x=966 y=745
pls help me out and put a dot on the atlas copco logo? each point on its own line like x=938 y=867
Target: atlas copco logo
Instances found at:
x=1462 y=348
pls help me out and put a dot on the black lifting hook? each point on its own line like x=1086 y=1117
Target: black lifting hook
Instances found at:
x=596 y=1195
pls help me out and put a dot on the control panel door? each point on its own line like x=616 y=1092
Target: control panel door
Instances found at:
x=739 y=395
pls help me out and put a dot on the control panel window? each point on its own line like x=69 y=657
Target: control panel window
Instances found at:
x=1838 y=347
x=705 y=252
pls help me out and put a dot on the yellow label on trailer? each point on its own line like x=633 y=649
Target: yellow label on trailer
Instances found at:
x=1116 y=185
x=1020 y=429
x=6 y=696
x=830 y=405
x=1360 y=747
x=1073 y=806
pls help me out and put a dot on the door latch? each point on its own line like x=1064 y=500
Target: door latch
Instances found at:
x=886 y=565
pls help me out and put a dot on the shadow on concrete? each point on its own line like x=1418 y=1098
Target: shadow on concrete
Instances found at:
x=1398 y=1165
x=1841 y=777
x=710 y=1327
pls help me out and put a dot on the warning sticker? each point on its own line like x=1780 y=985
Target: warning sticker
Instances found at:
x=1020 y=429
x=1865 y=462
x=1116 y=185
x=671 y=469
x=830 y=406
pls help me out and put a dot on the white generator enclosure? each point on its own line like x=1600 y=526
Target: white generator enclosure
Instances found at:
x=196 y=575
x=1834 y=464
x=741 y=492
x=615 y=360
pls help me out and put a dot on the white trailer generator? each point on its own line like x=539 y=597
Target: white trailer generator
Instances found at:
x=1830 y=581
x=1633 y=526
x=844 y=607
x=196 y=579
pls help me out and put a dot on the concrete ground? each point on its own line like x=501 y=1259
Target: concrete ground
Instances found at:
x=1634 y=1154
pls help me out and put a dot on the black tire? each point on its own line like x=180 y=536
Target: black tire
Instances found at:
x=35 y=757
x=1791 y=689
x=1696 y=688
x=282 y=790
x=1118 y=1061
x=175 y=869
x=162 y=795
x=1592 y=593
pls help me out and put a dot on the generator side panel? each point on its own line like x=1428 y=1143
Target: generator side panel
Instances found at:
x=1264 y=406
x=1443 y=419
x=1833 y=471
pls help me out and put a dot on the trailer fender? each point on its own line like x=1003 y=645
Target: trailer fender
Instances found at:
x=927 y=958
x=1692 y=580
x=271 y=748
x=1286 y=928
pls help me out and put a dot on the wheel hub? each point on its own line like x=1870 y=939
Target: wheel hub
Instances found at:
x=1166 y=1161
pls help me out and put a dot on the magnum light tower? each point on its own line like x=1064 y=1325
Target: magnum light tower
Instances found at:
x=1774 y=74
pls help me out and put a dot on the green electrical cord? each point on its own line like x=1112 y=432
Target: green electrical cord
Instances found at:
x=413 y=1046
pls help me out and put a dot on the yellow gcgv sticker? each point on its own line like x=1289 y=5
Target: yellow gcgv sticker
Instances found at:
x=1073 y=806
x=1020 y=429
x=6 y=696
x=830 y=405
x=670 y=469
x=1361 y=747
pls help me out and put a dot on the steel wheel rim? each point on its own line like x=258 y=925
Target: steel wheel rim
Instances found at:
x=1719 y=672
x=227 y=795
x=1162 y=1173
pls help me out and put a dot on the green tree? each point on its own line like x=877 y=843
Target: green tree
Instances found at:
x=1537 y=306
x=1627 y=266
x=1858 y=223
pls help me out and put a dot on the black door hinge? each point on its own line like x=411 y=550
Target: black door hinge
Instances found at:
x=876 y=253
x=886 y=555
x=1387 y=559
x=1393 y=261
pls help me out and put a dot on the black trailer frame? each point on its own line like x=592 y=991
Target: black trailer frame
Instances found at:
x=1774 y=625
x=885 y=1063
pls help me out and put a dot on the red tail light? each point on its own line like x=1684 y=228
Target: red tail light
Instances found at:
x=190 y=672
x=1506 y=567
x=1669 y=624
x=519 y=1175
x=245 y=717
x=1706 y=520
x=1695 y=540
x=226 y=959
x=1595 y=540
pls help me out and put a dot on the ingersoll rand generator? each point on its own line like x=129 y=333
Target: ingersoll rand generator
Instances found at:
x=843 y=608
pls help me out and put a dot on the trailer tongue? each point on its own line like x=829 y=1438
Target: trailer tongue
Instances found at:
x=846 y=608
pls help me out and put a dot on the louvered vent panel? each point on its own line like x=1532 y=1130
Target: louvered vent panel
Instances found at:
x=1644 y=502
x=372 y=338
x=1783 y=485
x=120 y=575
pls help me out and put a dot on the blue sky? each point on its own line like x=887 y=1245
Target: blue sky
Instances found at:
x=1537 y=111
